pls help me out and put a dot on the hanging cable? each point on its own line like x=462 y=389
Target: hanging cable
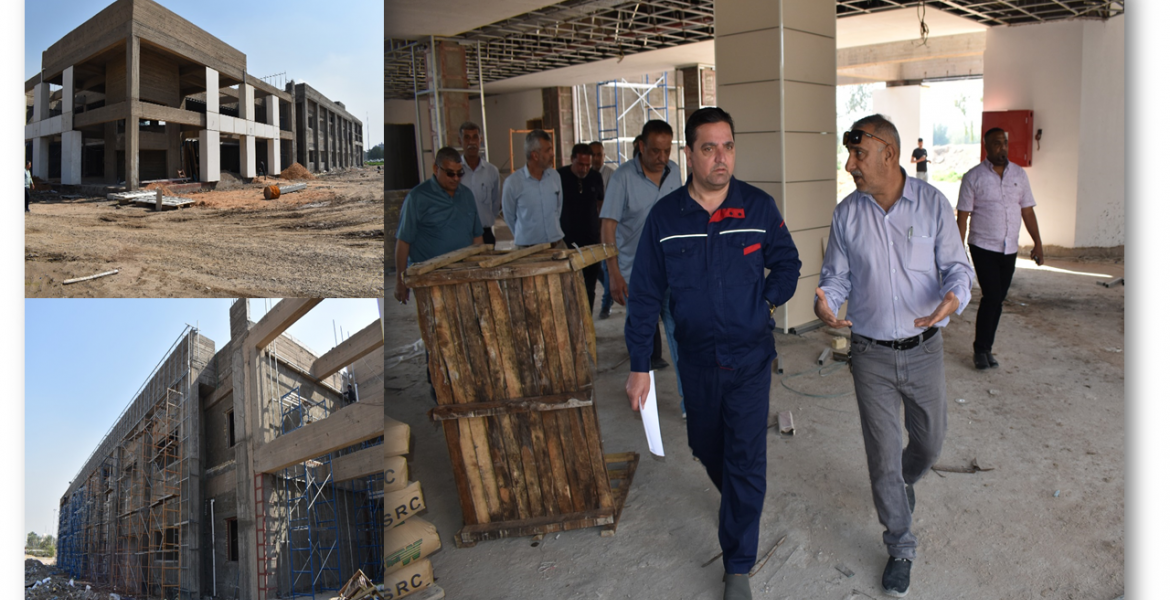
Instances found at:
x=923 y=30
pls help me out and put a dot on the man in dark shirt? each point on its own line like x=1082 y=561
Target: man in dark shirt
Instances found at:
x=918 y=157
x=584 y=191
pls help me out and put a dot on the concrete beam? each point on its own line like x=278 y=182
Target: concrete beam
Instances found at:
x=351 y=425
x=363 y=463
x=367 y=340
x=281 y=317
x=951 y=46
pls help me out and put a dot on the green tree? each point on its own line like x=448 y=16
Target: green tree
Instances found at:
x=377 y=152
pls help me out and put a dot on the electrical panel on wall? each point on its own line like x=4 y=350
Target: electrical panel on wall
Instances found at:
x=1019 y=127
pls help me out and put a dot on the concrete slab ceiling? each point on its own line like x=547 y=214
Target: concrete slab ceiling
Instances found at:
x=411 y=19
x=899 y=25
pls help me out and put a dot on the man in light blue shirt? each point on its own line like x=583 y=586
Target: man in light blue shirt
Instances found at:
x=482 y=178
x=633 y=189
x=894 y=252
x=532 y=196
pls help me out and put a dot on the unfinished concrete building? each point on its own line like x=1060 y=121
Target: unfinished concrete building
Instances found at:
x=252 y=472
x=193 y=108
x=328 y=137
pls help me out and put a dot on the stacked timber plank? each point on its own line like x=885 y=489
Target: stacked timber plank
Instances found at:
x=149 y=198
x=512 y=357
x=409 y=538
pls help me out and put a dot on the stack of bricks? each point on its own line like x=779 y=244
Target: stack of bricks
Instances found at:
x=409 y=538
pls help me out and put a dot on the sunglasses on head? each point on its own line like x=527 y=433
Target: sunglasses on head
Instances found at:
x=854 y=137
x=452 y=174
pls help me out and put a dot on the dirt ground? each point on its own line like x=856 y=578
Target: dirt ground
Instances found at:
x=1049 y=420
x=325 y=241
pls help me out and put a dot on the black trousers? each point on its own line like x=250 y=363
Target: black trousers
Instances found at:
x=489 y=238
x=27 y=198
x=994 y=271
x=591 y=274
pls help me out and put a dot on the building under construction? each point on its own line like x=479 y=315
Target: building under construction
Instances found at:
x=250 y=472
x=193 y=107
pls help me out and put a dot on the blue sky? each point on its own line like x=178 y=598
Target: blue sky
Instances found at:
x=335 y=47
x=85 y=359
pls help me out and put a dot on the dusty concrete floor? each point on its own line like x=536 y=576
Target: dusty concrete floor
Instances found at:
x=1050 y=418
x=326 y=241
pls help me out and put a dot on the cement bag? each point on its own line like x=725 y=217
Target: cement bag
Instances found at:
x=395 y=474
x=403 y=504
x=405 y=582
x=409 y=542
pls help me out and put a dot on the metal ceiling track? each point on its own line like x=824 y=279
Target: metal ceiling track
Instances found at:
x=583 y=31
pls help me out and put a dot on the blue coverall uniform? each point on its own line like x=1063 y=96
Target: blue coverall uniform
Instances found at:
x=714 y=267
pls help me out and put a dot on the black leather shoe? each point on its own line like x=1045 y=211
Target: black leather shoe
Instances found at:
x=981 y=361
x=604 y=314
x=896 y=579
x=657 y=364
x=910 y=496
x=991 y=361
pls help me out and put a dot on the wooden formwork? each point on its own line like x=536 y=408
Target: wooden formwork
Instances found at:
x=512 y=357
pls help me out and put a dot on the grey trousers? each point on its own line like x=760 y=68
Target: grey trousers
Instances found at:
x=886 y=380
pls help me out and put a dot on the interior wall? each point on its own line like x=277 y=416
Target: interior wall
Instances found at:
x=1101 y=186
x=504 y=112
x=1040 y=68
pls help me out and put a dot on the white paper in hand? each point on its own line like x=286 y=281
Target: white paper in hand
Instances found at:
x=650 y=421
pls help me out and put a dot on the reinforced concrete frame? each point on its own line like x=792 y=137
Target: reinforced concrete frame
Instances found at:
x=135 y=518
x=328 y=137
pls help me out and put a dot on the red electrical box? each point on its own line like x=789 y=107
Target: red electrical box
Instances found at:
x=1018 y=125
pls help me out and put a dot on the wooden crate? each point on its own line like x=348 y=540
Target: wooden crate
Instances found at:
x=512 y=356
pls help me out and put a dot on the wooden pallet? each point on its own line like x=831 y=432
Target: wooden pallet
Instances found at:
x=620 y=467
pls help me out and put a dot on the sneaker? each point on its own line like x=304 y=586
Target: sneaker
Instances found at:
x=896 y=579
x=683 y=406
x=991 y=361
x=657 y=364
x=736 y=587
x=981 y=361
x=604 y=314
x=910 y=496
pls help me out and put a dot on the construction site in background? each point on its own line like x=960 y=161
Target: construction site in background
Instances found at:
x=251 y=472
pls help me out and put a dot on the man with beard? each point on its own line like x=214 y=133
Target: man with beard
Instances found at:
x=895 y=256
x=704 y=249
x=583 y=191
x=995 y=195
x=482 y=178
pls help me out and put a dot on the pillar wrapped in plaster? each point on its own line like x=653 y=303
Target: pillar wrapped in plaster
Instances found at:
x=71 y=157
x=247 y=156
x=208 y=155
x=212 y=78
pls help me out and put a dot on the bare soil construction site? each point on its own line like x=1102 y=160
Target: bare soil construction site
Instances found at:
x=323 y=241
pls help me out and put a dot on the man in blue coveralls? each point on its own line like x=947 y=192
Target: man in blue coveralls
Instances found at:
x=708 y=243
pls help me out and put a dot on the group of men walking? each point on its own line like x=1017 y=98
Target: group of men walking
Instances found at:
x=693 y=256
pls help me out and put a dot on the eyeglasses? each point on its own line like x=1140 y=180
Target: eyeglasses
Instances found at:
x=854 y=137
x=453 y=174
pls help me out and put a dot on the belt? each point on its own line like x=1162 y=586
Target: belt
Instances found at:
x=910 y=342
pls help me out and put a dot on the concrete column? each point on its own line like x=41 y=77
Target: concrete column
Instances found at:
x=316 y=120
x=903 y=106
x=40 y=101
x=174 y=150
x=272 y=106
x=247 y=156
x=247 y=102
x=133 y=66
x=41 y=157
x=110 y=169
x=212 y=90
x=208 y=155
x=776 y=61
x=274 y=157
x=328 y=162
x=71 y=157
x=450 y=65
x=67 y=90
x=558 y=116
x=698 y=88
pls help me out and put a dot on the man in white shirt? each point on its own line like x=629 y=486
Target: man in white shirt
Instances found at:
x=482 y=178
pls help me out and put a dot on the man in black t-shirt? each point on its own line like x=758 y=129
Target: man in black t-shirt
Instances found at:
x=918 y=157
x=583 y=191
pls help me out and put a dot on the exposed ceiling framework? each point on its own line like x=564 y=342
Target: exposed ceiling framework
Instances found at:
x=582 y=31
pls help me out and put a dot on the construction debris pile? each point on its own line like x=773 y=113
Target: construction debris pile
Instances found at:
x=43 y=582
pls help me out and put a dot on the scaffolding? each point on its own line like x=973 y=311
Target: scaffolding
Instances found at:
x=311 y=512
x=369 y=522
x=125 y=526
x=618 y=109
